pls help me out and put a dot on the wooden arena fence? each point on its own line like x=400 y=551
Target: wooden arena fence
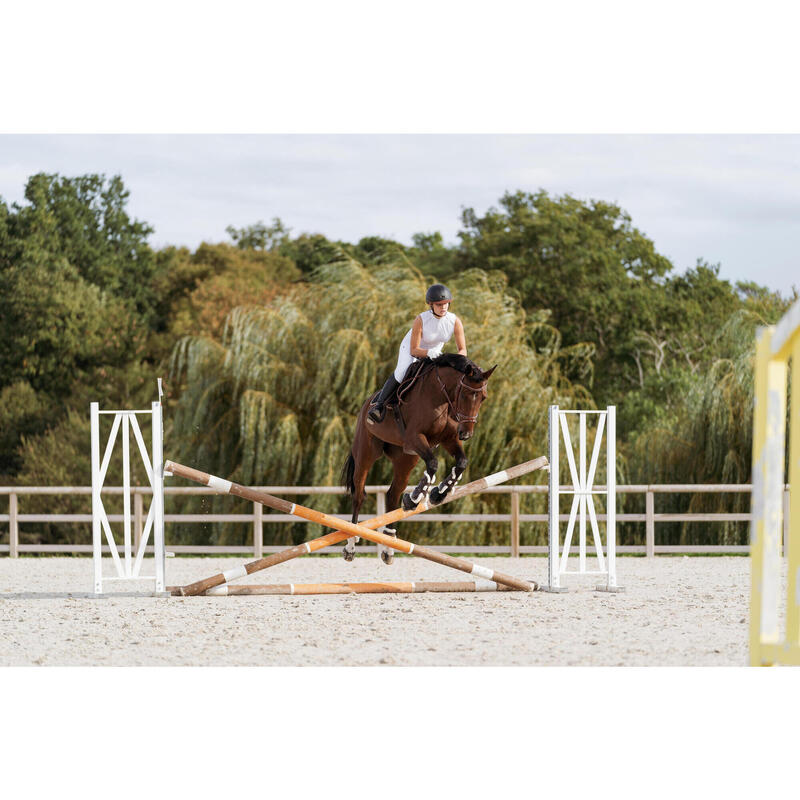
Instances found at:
x=10 y=522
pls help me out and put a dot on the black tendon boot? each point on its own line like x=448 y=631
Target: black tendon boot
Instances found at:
x=378 y=409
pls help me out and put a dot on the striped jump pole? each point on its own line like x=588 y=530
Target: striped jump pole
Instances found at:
x=391 y=587
x=344 y=529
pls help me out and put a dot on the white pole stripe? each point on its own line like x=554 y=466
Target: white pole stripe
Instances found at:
x=233 y=574
x=220 y=484
x=308 y=548
x=218 y=591
x=498 y=477
x=482 y=572
x=485 y=586
x=294 y=506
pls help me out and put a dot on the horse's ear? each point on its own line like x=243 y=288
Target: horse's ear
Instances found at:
x=488 y=374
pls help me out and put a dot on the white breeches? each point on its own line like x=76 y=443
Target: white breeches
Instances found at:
x=404 y=358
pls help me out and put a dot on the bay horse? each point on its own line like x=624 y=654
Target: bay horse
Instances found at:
x=436 y=404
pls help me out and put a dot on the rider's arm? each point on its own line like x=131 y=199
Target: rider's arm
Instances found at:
x=416 y=338
x=461 y=340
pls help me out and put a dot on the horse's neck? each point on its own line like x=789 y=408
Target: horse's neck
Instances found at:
x=442 y=377
x=420 y=382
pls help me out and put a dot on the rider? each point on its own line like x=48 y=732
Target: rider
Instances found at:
x=431 y=330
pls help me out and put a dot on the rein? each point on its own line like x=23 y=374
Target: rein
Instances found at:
x=405 y=389
x=456 y=414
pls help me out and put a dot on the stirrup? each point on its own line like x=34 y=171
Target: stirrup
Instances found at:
x=377 y=412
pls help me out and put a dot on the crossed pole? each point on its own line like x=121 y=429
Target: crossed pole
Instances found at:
x=344 y=530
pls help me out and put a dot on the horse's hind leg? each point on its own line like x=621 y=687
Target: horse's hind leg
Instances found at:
x=403 y=463
x=360 y=480
x=364 y=456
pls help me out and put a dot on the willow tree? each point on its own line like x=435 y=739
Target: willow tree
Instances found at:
x=275 y=401
x=706 y=438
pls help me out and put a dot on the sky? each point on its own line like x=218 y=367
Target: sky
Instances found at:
x=732 y=200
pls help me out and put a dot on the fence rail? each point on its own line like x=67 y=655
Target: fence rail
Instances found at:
x=257 y=518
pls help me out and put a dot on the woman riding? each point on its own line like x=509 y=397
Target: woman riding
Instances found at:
x=430 y=332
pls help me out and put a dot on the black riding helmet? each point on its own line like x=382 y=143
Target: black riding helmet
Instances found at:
x=438 y=293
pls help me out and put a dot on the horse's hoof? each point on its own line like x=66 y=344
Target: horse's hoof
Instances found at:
x=387 y=558
x=348 y=555
x=408 y=503
x=436 y=496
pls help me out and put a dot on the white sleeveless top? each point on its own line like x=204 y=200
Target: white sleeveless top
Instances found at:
x=435 y=330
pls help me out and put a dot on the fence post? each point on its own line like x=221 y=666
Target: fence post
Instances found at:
x=13 y=527
x=650 y=524
x=514 y=524
x=380 y=510
x=258 y=530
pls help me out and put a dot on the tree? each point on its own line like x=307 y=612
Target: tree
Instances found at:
x=584 y=262
x=431 y=254
x=77 y=295
x=260 y=236
x=84 y=222
x=230 y=277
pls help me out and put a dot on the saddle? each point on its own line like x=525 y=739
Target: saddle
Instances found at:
x=395 y=399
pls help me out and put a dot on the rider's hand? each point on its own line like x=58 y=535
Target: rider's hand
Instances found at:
x=435 y=352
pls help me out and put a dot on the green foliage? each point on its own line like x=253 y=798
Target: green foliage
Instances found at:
x=706 y=435
x=260 y=236
x=584 y=262
x=55 y=325
x=224 y=277
x=310 y=251
x=76 y=299
x=83 y=222
x=23 y=411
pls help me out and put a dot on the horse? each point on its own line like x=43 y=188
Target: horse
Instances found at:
x=436 y=403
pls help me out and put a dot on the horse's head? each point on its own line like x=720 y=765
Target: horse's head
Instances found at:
x=470 y=393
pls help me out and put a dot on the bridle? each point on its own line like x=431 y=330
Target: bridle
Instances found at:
x=462 y=387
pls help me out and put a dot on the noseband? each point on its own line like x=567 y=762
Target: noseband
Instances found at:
x=462 y=387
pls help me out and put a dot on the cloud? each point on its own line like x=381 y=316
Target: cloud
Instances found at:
x=728 y=199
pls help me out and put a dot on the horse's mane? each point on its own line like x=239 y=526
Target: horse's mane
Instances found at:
x=460 y=363
x=453 y=360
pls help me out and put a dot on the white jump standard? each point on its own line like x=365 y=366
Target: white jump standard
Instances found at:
x=582 y=491
x=128 y=568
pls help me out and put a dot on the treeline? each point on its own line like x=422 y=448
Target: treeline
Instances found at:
x=270 y=342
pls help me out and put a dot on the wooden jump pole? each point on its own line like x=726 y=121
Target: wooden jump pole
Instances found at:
x=391 y=587
x=344 y=529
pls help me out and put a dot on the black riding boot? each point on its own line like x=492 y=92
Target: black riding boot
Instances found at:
x=378 y=409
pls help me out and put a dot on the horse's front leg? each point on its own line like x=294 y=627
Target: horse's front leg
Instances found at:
x=403 y=463
x=418 y=443
x=449 y=483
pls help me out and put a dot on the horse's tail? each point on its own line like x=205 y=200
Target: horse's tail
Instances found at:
x=348 y=474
